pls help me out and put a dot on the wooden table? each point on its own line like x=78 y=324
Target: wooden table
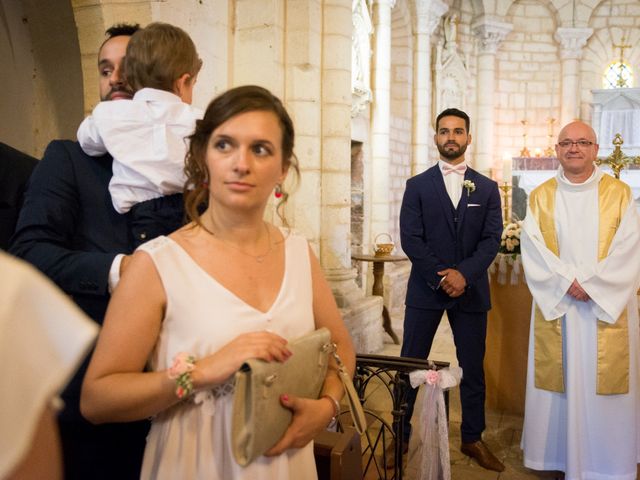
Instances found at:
x=505 y=361
x=378 y=286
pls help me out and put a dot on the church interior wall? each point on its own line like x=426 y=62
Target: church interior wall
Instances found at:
x=400 y=134
x=611 y=21
x=41 y=74
x=92 y=18
x=208 y=24
x=528 y=85
x=465 y=11
x=259 y=44
x=300 y=51
x=303 y=99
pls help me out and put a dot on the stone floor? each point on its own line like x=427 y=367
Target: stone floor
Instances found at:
x=502 y=434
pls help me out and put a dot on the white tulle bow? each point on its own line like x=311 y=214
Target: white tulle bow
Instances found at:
x=434 y=431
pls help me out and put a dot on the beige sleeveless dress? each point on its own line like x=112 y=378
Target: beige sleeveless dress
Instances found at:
x=192 y=440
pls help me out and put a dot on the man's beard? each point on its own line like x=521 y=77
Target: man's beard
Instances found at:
x=451 y=154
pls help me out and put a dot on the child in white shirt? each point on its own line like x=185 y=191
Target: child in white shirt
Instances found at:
x=147 y=135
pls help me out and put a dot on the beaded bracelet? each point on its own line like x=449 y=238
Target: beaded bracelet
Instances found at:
x=180 y=371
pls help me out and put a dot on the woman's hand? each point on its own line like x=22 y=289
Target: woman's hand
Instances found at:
x=310 y=417
x=218 y=367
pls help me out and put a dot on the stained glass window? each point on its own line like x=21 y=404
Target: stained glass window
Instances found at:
x=618 y=75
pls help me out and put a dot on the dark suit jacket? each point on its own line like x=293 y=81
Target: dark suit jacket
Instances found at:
x=15 y=170
x=436 y=236
x=69 y=230
x=68 y=227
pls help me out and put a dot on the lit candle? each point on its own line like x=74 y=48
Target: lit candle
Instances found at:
x=506 y=168
x=538 y=152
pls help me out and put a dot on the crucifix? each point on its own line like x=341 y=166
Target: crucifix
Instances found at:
x=617 y=160
x=621 y=81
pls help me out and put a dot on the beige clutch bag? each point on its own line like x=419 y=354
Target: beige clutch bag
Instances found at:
x=259 y=420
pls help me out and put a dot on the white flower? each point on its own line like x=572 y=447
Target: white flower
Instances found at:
x=470 y=186
x=510 y=241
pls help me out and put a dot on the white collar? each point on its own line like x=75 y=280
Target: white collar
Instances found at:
x=156 y=95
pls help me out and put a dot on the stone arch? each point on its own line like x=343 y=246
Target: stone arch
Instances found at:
x=570 y=15
x=42 y=77
x=92 y=21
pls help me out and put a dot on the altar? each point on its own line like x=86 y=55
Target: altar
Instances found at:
x=617 y=111
x=507 y=344
x=529 y=172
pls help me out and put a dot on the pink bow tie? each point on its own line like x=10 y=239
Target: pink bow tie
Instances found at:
x=459 y=169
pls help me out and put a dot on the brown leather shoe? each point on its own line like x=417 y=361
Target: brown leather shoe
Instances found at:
x=479 y=451
x=390 y=453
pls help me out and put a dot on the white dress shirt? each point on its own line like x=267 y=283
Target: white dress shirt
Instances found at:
x=146 y=136
x=452 y=182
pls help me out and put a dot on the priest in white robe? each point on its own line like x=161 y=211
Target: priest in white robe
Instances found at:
x=581 y=255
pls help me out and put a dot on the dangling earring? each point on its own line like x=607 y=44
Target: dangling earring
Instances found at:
x=278 y=191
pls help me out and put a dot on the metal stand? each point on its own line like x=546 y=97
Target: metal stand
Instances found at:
x=393 y=374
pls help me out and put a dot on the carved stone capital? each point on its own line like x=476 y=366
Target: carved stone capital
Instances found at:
x=490 y=33
x=360 y=98
x=572 y=40
x=428 y=14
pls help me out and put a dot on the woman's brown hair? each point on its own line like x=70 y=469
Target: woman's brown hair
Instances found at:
x=248 y=98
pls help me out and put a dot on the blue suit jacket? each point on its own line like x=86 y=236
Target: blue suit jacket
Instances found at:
x=436 y=236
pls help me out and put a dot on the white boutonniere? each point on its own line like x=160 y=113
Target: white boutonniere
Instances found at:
x=470 y=186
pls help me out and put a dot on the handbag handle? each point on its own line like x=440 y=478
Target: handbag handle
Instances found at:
x=357 y=413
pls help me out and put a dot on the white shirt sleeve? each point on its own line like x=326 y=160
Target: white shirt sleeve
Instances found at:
x=43 y=338
x=114 y=272
x=89 y=138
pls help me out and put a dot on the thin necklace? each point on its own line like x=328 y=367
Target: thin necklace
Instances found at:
x=258 y=258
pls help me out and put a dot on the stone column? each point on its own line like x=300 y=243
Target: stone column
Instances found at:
x=572 y=40
x=490 y=34
x=381 y=116
x=361 y=314
x=428 y=13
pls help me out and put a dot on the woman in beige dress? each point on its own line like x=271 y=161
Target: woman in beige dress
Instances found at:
x=225 y=288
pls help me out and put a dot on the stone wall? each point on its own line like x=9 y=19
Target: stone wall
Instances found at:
x=41 y=74
x=528 y=69
x=611 y=21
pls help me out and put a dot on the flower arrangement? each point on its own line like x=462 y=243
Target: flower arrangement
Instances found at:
x=470 y=186
x=510 y=241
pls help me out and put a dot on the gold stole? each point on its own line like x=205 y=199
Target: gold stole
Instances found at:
x=613 y=339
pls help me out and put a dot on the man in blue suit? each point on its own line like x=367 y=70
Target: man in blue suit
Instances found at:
x=69 y=230
x=450 y=227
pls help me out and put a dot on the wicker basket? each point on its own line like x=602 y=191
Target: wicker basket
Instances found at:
x=382 y=249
